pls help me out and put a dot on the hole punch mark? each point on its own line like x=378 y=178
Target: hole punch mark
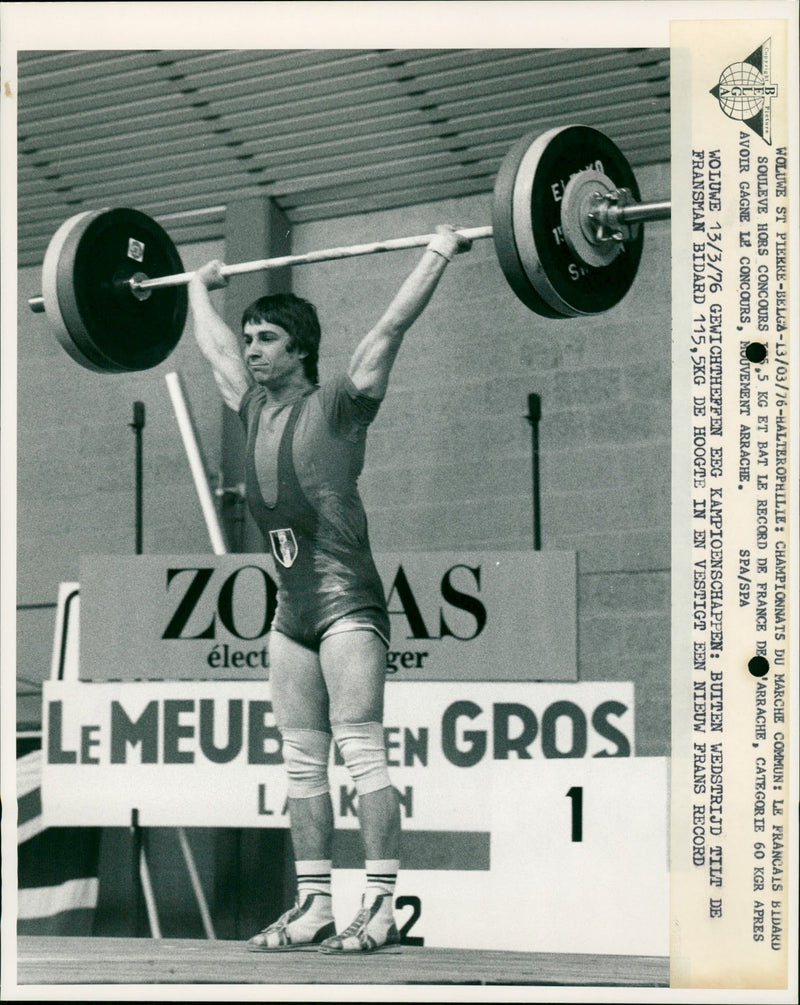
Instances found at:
x=756 y=352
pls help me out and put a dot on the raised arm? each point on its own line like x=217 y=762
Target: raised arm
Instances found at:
x=217 y=342
x=373 y=359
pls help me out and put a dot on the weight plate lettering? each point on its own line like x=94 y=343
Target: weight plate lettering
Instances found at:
x=567 y=284
x=590 y=242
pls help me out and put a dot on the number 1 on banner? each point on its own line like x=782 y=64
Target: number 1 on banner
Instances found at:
x=576 y=795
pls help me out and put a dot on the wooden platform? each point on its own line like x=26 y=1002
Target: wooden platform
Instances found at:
x=52 y=960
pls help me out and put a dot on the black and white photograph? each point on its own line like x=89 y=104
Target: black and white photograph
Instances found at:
x=380 y=382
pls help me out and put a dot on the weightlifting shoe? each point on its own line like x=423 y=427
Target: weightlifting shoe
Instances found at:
x=372 y=929
x=306 y=924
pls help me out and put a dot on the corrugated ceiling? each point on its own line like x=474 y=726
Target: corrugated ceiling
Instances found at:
x=179 y=134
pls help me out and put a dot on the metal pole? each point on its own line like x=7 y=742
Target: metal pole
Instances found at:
x=137 y=426
x=533 y=417
x=642 y=212
x=308 y=258
x=136 y=854
x=220 y=547
x=215 y=531
x=197 y=886
x=150 y=900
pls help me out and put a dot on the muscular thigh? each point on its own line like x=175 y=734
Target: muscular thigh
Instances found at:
x=299 y=694
x=354 y=668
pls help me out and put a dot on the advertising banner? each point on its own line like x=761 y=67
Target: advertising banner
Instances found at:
x=480 y=769
x=454 y=616
x=207 y=753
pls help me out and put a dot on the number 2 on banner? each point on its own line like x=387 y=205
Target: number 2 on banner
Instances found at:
x=576 y=795
x=416 y=910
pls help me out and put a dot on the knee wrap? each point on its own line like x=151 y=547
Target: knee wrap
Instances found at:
x=362 y=748
x=305 y=754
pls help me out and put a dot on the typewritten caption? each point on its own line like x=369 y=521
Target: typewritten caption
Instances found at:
x=732 y=731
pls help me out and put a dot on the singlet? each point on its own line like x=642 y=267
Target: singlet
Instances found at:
x=314 y=525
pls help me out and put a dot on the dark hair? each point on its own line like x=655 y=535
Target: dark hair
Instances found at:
x=296 y=316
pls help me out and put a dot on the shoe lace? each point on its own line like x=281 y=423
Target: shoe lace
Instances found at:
x=357 y=923
x=284 y=919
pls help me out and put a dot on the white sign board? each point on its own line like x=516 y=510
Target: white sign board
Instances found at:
x=207 y=753
x=544 y=892
x=454 y=616
x=511 y=795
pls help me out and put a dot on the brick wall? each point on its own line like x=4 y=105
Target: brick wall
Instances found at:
x=448 y=459
x=75 y=469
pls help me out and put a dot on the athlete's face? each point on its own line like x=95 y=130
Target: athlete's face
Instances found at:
x=266 y=353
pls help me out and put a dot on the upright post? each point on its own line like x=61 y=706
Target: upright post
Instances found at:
x=136 y=883
x=136 y=832
x=533 y=417
x=137 y=426
x=196 y=464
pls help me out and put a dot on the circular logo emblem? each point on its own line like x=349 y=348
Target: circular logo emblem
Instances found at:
x=741 y=91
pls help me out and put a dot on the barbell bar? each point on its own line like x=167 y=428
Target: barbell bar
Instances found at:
x=137 y=287
x=308 y=258
x=566 y=225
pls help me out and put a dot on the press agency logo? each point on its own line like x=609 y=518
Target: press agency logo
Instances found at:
x=745 y=91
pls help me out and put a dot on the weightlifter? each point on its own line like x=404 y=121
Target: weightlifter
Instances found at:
x=330 y=634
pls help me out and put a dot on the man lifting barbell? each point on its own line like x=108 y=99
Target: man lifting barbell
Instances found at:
x=330 y=634
x=566 y=228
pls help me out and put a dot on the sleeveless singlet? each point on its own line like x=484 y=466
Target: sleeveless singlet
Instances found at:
x=317 y=532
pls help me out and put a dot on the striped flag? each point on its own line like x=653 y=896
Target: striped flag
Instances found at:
x=56 y=866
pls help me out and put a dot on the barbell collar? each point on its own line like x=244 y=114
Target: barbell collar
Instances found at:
x=308 y=258
x=642 y=212
x=618 y=208
x=612 y=216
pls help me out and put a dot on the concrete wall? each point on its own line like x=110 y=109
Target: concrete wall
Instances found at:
x=448 y=459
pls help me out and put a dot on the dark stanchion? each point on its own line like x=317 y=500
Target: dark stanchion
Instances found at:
x=139 y=915
x=137 y=426
x=533 y=417
x=138 y=836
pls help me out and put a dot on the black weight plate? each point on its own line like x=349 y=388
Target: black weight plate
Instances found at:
x=110 y=327
x=503 y=229
x=565 y=282
x=55 y=319
x=58 y=274
x=80 y=345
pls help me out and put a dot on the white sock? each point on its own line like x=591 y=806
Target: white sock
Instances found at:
x=381 y=877
x=313 y=876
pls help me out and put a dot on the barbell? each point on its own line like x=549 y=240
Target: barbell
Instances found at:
x=566 y=225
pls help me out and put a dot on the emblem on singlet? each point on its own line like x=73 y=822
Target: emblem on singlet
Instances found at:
x=284 y=546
